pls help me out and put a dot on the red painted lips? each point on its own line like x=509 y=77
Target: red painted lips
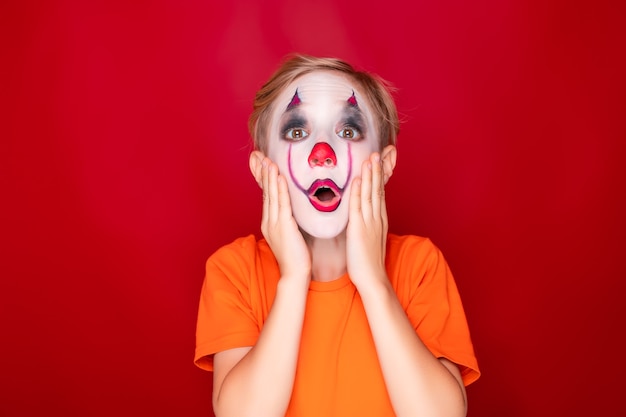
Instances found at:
x=324 y=195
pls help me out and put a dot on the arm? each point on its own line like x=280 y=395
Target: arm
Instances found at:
x=259 y=380
x=417 y=382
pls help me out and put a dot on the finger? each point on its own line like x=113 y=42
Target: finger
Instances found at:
x=378 y=191
x=272 y=184
x=264 y=186
x=366 y=189
x=387 y=170
x=284 y=202
x=355 y=198
x=383 y=215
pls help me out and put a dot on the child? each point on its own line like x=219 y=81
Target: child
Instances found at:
x=329 y=315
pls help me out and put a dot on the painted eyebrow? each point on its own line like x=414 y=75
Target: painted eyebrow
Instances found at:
x=352 y=100
x=352 y=113
x=292 y=117
x=295 y=101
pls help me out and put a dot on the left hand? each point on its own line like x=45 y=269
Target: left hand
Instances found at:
x=367 y=226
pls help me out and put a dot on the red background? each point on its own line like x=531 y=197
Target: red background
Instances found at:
x=124 y=165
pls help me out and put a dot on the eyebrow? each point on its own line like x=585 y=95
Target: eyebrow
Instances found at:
x=294 y=118
x=291 y=119
x=353 y=116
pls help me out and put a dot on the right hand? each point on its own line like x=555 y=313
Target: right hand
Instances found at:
x=278 y=226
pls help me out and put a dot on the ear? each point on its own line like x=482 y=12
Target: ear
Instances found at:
x=388 y=157
x=256 y=158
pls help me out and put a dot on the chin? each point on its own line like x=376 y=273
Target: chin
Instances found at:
x=324 y=235
x=323 y=228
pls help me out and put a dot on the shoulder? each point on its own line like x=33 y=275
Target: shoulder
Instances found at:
x=243 y=259
x=415 y=259
x=245 y=265
x=415 y=247
x=244 y=249
x=240 y=245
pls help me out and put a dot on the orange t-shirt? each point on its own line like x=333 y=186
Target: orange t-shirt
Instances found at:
x=338 y=372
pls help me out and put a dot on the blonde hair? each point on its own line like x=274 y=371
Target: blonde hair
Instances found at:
x=377 y=91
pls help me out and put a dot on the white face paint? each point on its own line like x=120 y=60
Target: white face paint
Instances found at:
x=321 y=131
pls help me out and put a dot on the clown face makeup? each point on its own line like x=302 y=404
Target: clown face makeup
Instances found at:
x=321 y=131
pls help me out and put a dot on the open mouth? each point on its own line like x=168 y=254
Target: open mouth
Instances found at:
x=324 y=195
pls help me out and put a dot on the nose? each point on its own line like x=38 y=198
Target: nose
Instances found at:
x=322 y=155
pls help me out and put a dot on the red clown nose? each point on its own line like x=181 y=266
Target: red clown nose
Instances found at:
x=322 y=155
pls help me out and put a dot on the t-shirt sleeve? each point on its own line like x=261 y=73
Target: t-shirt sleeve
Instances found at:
x=435 y=308
x=226 y=318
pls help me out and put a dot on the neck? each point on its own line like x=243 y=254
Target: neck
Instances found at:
x=328 y=257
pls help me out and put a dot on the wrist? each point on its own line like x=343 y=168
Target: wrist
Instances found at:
x=374 y=288
x=295 y=281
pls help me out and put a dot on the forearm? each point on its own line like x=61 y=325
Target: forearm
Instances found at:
x=261 y=382
x=417 y=382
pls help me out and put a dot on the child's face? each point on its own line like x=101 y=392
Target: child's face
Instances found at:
x=321 y=131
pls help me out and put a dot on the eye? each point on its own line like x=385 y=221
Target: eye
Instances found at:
x=349 y=133
x=295 y=134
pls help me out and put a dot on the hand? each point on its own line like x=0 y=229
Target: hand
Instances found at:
x=367 y=226
x=279 y=227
